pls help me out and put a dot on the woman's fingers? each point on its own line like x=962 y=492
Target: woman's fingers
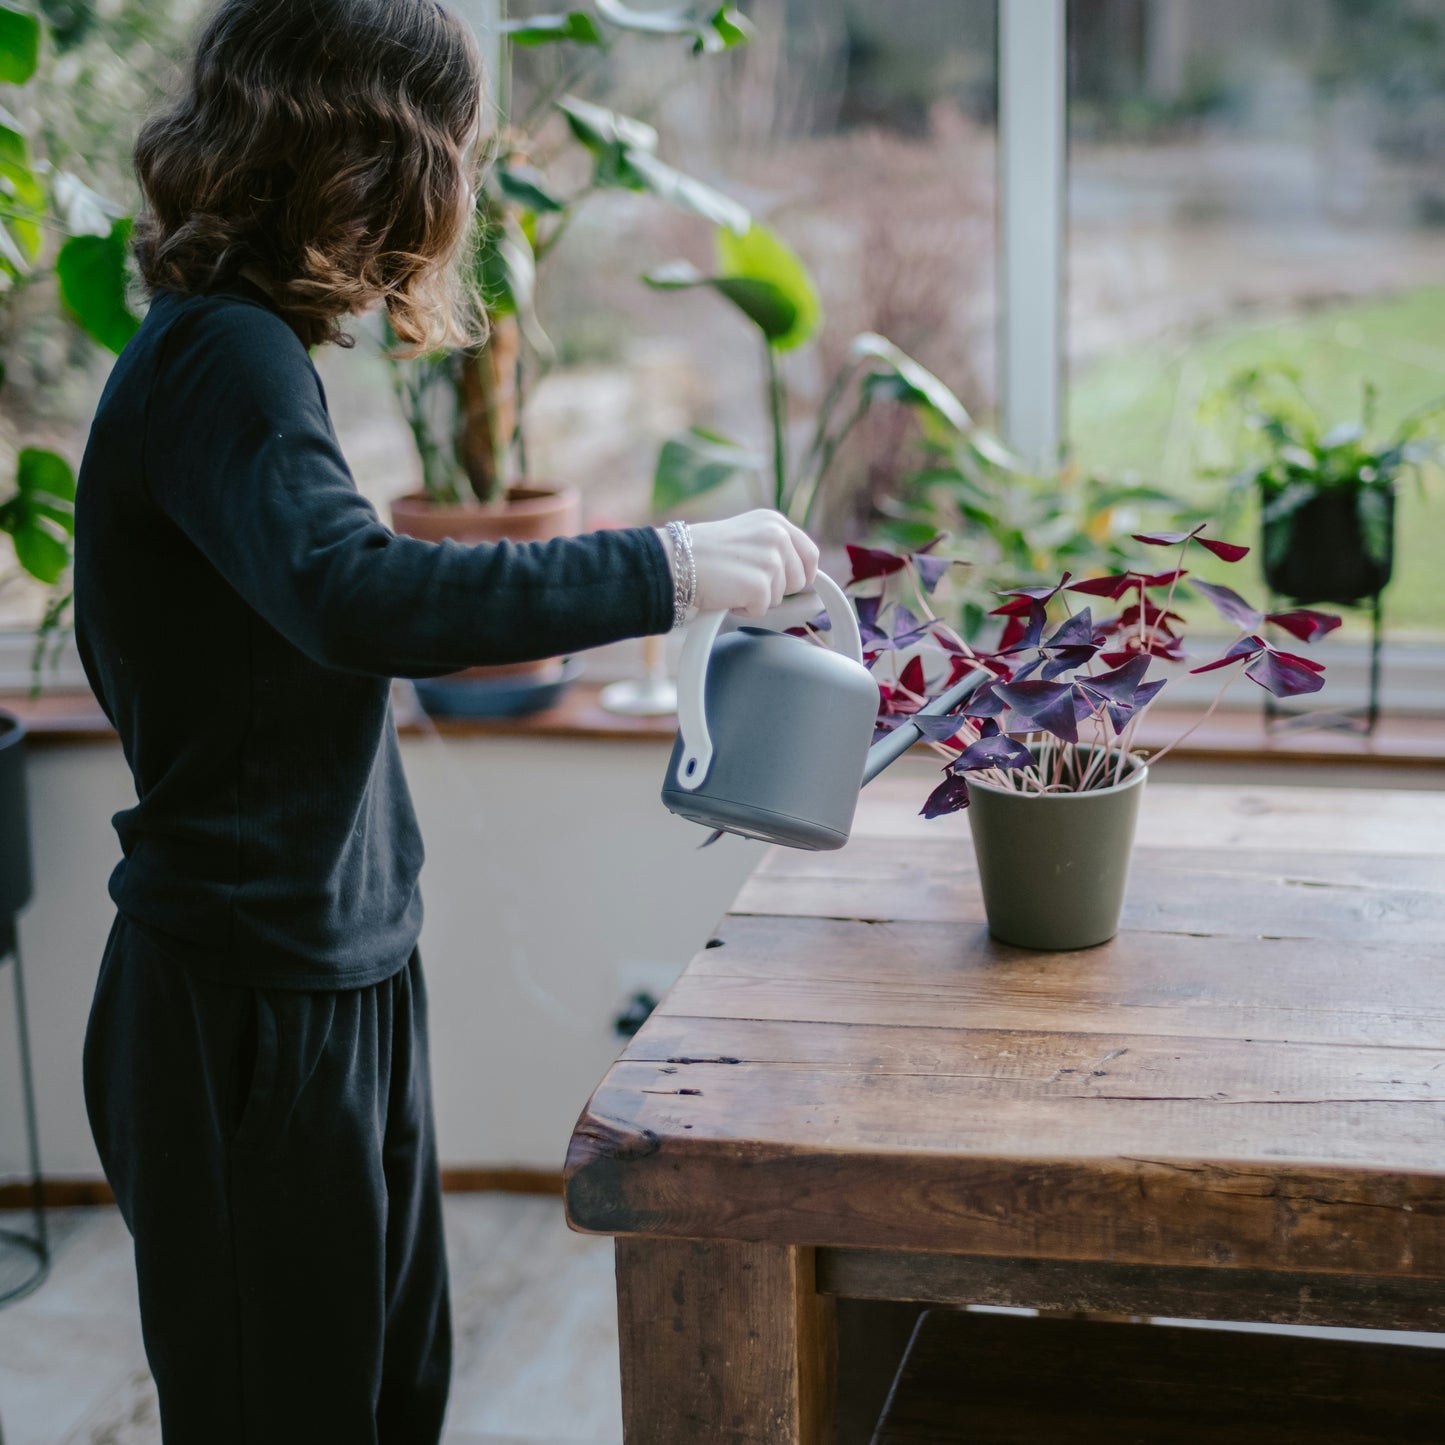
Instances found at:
x=748 y=564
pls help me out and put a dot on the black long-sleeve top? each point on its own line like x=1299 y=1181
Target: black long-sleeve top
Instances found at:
x=240 y=610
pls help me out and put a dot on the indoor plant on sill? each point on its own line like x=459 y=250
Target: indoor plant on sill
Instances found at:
x=1044 y=750
x=88 y=272
x=768 y=283
x=464 y=408
x=1326 y=496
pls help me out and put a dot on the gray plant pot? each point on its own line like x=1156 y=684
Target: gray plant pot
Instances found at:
x=1054 y=865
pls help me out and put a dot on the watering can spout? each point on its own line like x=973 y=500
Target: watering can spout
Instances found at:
x=889 y=749
x=773 y=733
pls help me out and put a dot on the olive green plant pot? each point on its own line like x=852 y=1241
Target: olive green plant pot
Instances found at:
x=1054 y=866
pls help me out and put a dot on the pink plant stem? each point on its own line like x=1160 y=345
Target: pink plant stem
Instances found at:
x=1146 y=630
x=939 y=624
x=1218 y=698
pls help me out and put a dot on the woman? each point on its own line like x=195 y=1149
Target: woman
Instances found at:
x=256 y=1062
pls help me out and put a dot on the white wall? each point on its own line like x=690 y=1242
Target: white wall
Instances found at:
x=555 y=883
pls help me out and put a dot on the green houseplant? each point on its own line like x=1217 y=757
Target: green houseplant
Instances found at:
x=1012 y=526
x=54 y=230
x=1326 y=494
x=464 y=408
x=1043 y=751
x=768 y=284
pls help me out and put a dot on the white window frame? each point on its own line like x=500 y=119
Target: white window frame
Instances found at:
x=1032 y=225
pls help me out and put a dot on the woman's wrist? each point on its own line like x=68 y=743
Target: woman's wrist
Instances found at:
x=676 y=538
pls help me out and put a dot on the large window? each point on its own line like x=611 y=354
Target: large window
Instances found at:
x=1254 y=182
x=863 y=135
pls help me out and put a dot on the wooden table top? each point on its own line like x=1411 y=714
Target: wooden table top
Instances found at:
x=1252 y=1075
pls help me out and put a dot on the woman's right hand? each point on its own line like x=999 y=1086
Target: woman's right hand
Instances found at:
x=748 y=564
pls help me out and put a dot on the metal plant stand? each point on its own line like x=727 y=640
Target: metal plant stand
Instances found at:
x=1361 y=721
x=24 y=1257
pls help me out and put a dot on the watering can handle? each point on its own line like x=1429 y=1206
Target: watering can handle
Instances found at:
x=702 y=632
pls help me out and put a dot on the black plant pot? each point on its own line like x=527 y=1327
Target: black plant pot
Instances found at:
x=16 y=879
x=1319 y=552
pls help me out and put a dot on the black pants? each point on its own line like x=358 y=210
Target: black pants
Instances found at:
x=273 y=1155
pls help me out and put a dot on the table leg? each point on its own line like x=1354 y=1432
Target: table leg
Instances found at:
x=723 y=1344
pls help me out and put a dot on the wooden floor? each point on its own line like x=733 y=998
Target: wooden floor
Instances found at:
x=533 y=1304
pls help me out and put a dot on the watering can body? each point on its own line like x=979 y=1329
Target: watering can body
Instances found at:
x=791 y=724
x=774 y=733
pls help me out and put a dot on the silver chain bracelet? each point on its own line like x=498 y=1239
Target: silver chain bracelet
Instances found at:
x=684 y=572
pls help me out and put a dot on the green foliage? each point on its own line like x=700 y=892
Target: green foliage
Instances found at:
x=40 y=517
x=1010 y=527
x=92 y=273
x=711 y=28
x=524 y=213
x=1287 y=456
x=696 y=462
x=762 y=257
x=764 y=278
x=19 y=45
x=576 y=27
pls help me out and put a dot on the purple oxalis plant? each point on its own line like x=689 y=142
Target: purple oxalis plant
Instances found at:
x=1067 y=688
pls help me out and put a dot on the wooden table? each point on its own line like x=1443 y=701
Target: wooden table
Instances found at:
x=1235 y=1110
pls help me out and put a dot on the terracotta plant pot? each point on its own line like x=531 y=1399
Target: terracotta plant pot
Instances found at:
x=529 y=514
x=1054 y=866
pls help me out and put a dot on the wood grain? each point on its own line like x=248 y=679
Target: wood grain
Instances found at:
x=1010 y=1381
x=723 y=1344
x=1371 y=900
x=1230 y=819
x=1246 y=1087
x=920 y=975
x=1065 y=1286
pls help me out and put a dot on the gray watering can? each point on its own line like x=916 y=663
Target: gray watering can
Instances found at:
x=773 y=731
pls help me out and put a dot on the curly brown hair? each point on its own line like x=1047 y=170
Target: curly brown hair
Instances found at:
x=325 y=145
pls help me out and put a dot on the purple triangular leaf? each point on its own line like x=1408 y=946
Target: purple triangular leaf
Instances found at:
x=1284 y=674
x=1168 y=539
x=1225 y=551
x=948 y=797
x=985 y=702
x=1241 y=647
x=1037 y=594
x=1121 y=684
x=1229 y=605
x=1033 y=633
x=872 y=562
x=937 y=729
x=1305 y=623
x=1111 y=587
x=1066 y=659
x=1046 y=706
x=993 y=752
x=1073 y=631
x=930 y=570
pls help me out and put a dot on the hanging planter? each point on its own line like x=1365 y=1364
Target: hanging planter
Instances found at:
x=1326 y=495
x=1334 y=545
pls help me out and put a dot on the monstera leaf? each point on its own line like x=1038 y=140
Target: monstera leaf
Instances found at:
x=40 y=517
x=19 y=45
x=712 y=28
x=92 y=277
x=624 y=152
x=763 y=277
x=576 y=26
x=694 y=462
